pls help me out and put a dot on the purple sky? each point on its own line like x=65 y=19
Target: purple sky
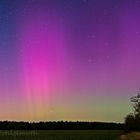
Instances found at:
x=68 y=59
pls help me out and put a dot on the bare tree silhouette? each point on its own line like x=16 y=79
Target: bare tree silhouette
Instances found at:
x=132 y=121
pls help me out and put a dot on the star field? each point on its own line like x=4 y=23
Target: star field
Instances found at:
x=68 y=59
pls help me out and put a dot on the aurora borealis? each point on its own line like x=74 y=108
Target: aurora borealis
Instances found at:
x=68 y=59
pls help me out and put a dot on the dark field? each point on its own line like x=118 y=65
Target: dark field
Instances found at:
x=60 y=135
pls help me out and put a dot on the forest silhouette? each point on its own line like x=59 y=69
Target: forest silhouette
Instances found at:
x=131 y=123
x=59 y=125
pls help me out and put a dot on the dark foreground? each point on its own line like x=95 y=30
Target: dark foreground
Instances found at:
x=60 y=135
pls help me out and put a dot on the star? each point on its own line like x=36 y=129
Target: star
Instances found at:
x=92 y=36
x=137 y=1
x=84 y=0
x=108 y=57
x=90 y=60
x=106 y=44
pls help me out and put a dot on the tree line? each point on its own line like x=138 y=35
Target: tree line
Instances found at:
x=59 y=125
x=131 y=123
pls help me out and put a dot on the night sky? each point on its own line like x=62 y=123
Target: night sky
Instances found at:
x=68 y=59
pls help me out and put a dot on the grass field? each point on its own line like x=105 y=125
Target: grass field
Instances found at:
x=61 y=135
x=131 y=136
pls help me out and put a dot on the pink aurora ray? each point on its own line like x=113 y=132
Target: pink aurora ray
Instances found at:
x=42 y=60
